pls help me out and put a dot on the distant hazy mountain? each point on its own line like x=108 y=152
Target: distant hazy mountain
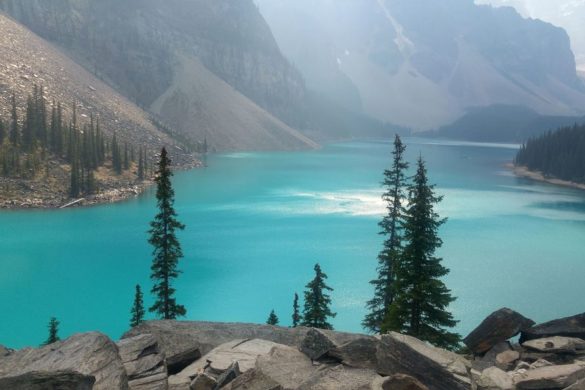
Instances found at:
x=422 y=63
x=568 y=14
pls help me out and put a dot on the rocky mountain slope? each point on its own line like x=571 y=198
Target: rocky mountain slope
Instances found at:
x=422 y=63
x=173 y=355
x=210 y=69
x=28 y=60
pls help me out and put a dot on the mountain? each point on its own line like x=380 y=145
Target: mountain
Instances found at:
x=502 y=123
x=42 y=178
x=423 y=63
x=568 y=14
x=209 y=69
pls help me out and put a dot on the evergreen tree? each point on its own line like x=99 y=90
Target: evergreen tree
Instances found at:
x=14 y=132
x=167 y=249
x=2 y=131
x=137 y=310
x=272 y=318
x=140 y=165
x=421 y=299
x=296 y=316
x=391 y=225
x=53 y=331
x=317 y=301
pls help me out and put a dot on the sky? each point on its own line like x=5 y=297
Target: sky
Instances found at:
x=568 y=14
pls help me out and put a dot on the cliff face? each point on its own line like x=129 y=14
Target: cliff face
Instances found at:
x=146 y=49
x=423 y=63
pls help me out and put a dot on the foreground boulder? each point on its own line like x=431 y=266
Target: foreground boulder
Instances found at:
x=550 y=377
x=498 y=327
x=402 y=382
x=143 y=362
x=91 y=354
x=568 y=327
x=436 y=368
x=43 y=380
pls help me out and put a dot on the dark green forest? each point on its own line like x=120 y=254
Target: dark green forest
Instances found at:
x=43 y=134
x=559 y=154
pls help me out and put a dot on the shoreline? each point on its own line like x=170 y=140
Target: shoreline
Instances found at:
x=111 y=194
x=526 y=173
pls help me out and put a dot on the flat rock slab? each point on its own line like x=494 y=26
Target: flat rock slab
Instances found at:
x=283 y=368
x=143 y=362
x=220 y=359
x=498 y=327
x=556 y=344
x=568 y=327
x=340 y=377
x=550 y=377
x=91 y=354
x=43 y=380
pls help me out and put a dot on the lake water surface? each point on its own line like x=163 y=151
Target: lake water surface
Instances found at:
x=258 y=222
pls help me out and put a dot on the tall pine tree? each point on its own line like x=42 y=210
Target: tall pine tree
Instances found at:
x=316 y=310
x=137 y=311
x=296 y=316
x=391 y=225
x=53 y=331
x=167 y=249
x=421 y=299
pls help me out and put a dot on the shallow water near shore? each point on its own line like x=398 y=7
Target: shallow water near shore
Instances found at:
x=258 y=222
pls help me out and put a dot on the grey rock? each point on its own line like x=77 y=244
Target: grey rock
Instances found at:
x=556 y=344
x=91 y=354
x=360 y=353
x=315 y=344
x=221 y=358
x=507 y=360
x=143 y=362
x=550 y=377
x=340 y=377
x=491 y=355
x=568 y=327
x=4 y=351
x=283 y=368
x=580 y=385
x=43 y=380
x=178 y=336
x=494 y=378
x=153 y=382
x=402 y=382
x=436 y=368
x=203 y=382
x=177 y=362
x=228 y=375
x=498 y=327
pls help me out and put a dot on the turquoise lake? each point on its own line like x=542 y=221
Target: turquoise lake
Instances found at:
x=258 y=222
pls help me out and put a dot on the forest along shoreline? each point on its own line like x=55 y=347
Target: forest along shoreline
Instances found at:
x=42 y=195
x=524 y=172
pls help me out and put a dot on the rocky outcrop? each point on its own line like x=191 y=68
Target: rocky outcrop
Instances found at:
x=143 y=362
x=44 y=380
x=499 y=326
x=90 y=354
x=547 y=363
x=569 y=327
x=232 y=356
